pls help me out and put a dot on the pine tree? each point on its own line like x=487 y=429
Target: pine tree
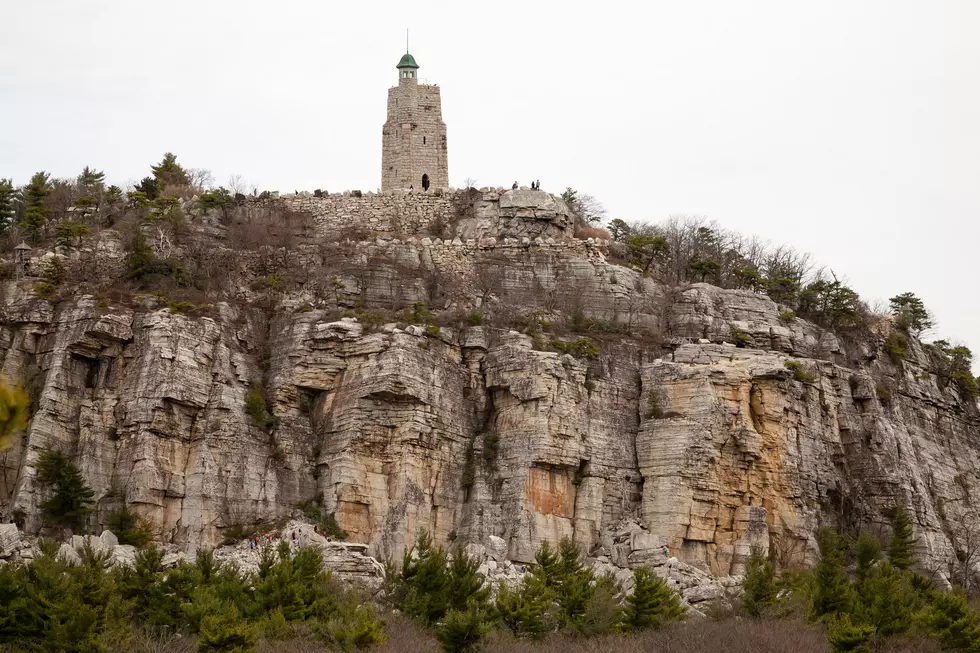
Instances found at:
x=421 y=588
x=169 y=173
x=71 y=499
x=832 y=593
x=34 y=195
x=464 y=585
x=868 y=552
x=885 y=601
x=6 y=204
x=951 y=621
x=844 y=636
x=526 y=610
x=462 y=630
x=901 y=548
x=911 y=313
x=224 y=631
x=652 y=603
x=758 y=586
x=91 y=181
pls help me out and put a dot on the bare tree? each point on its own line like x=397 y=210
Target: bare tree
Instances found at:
x=201 y=179
x=238 y=185
x=469 y=182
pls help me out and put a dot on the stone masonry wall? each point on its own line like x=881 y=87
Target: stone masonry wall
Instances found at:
x=414 y=138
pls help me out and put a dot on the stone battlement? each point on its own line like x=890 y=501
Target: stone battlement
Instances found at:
x=463 y=214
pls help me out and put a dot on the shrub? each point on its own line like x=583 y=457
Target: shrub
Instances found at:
x=68 y=233
x=844 y=636
x=895 y=346
x=474 y=318
x=741 y=339
x=257 y=408
x=655 y=409
x=53 y=274
x=799 y=372
x=787 y=316
x=884 y=394
x=462 y=630
x=129 y=528
x=491 y=447
x=580 y=348
x=326 y=523
x=71 y=498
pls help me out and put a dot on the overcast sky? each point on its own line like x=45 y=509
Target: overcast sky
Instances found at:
x=846 y=128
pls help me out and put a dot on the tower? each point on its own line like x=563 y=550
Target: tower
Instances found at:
x=413 y=142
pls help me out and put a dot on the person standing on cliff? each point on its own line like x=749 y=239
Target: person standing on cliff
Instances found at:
x=514 y=187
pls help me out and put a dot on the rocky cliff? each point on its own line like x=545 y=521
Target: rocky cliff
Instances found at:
x=668 y=434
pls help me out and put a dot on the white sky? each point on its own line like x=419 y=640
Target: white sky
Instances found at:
x=846 y=128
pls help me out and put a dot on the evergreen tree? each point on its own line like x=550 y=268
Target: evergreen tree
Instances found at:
x=224 y=631
x=844 y=636
x=950 y=620
x=886 y=602
x=91 y=181
x=911 y=313
x=464 y=586
x=651 y=604
x=71 y=499
x=149 y=188
x=34 y=195
x=6 y=204
x=831 y=593
x=901 y=548
x=526 y=610
x=575 y=584
x=759 y=585
x=462 y=630
x=169 y=173
x=868 y=552
x=421 y=589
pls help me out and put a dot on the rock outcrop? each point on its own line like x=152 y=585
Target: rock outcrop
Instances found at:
x=674 y=439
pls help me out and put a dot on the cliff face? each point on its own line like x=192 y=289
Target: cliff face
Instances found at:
x=473 y=432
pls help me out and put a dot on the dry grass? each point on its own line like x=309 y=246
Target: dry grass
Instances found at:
x=692 y=636
x=592 y=232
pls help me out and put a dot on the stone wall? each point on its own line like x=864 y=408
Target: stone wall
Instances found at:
x=467 y=214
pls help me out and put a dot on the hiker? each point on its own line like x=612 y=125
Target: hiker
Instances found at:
x=666 y=551
x=537 y=184
x=514 y=187
x=251 y=544
x=294 y=536
x=411 y=188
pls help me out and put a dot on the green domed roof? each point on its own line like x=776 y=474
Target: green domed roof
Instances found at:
x=407 y=61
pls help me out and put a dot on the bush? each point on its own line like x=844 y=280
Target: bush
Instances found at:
x=787 y=316
x=655 y=409
x=741 y=339
x=580 y=348
x=895 y=346
x=14 y=411
x=799 y=372
x=53 y=274
x=257 y=408
x=129 y=528
x=884 y=394
x=326 y=523
x=462 y=630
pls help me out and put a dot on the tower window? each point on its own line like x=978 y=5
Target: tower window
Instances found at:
x=423 y=140
x=425 y=182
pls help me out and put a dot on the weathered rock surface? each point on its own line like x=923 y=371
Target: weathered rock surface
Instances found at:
x=473 y=433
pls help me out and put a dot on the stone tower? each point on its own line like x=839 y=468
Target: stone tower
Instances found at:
x=414 y=149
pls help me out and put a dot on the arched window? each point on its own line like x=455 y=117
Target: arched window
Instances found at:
x=425 y=182
x=423 y=140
